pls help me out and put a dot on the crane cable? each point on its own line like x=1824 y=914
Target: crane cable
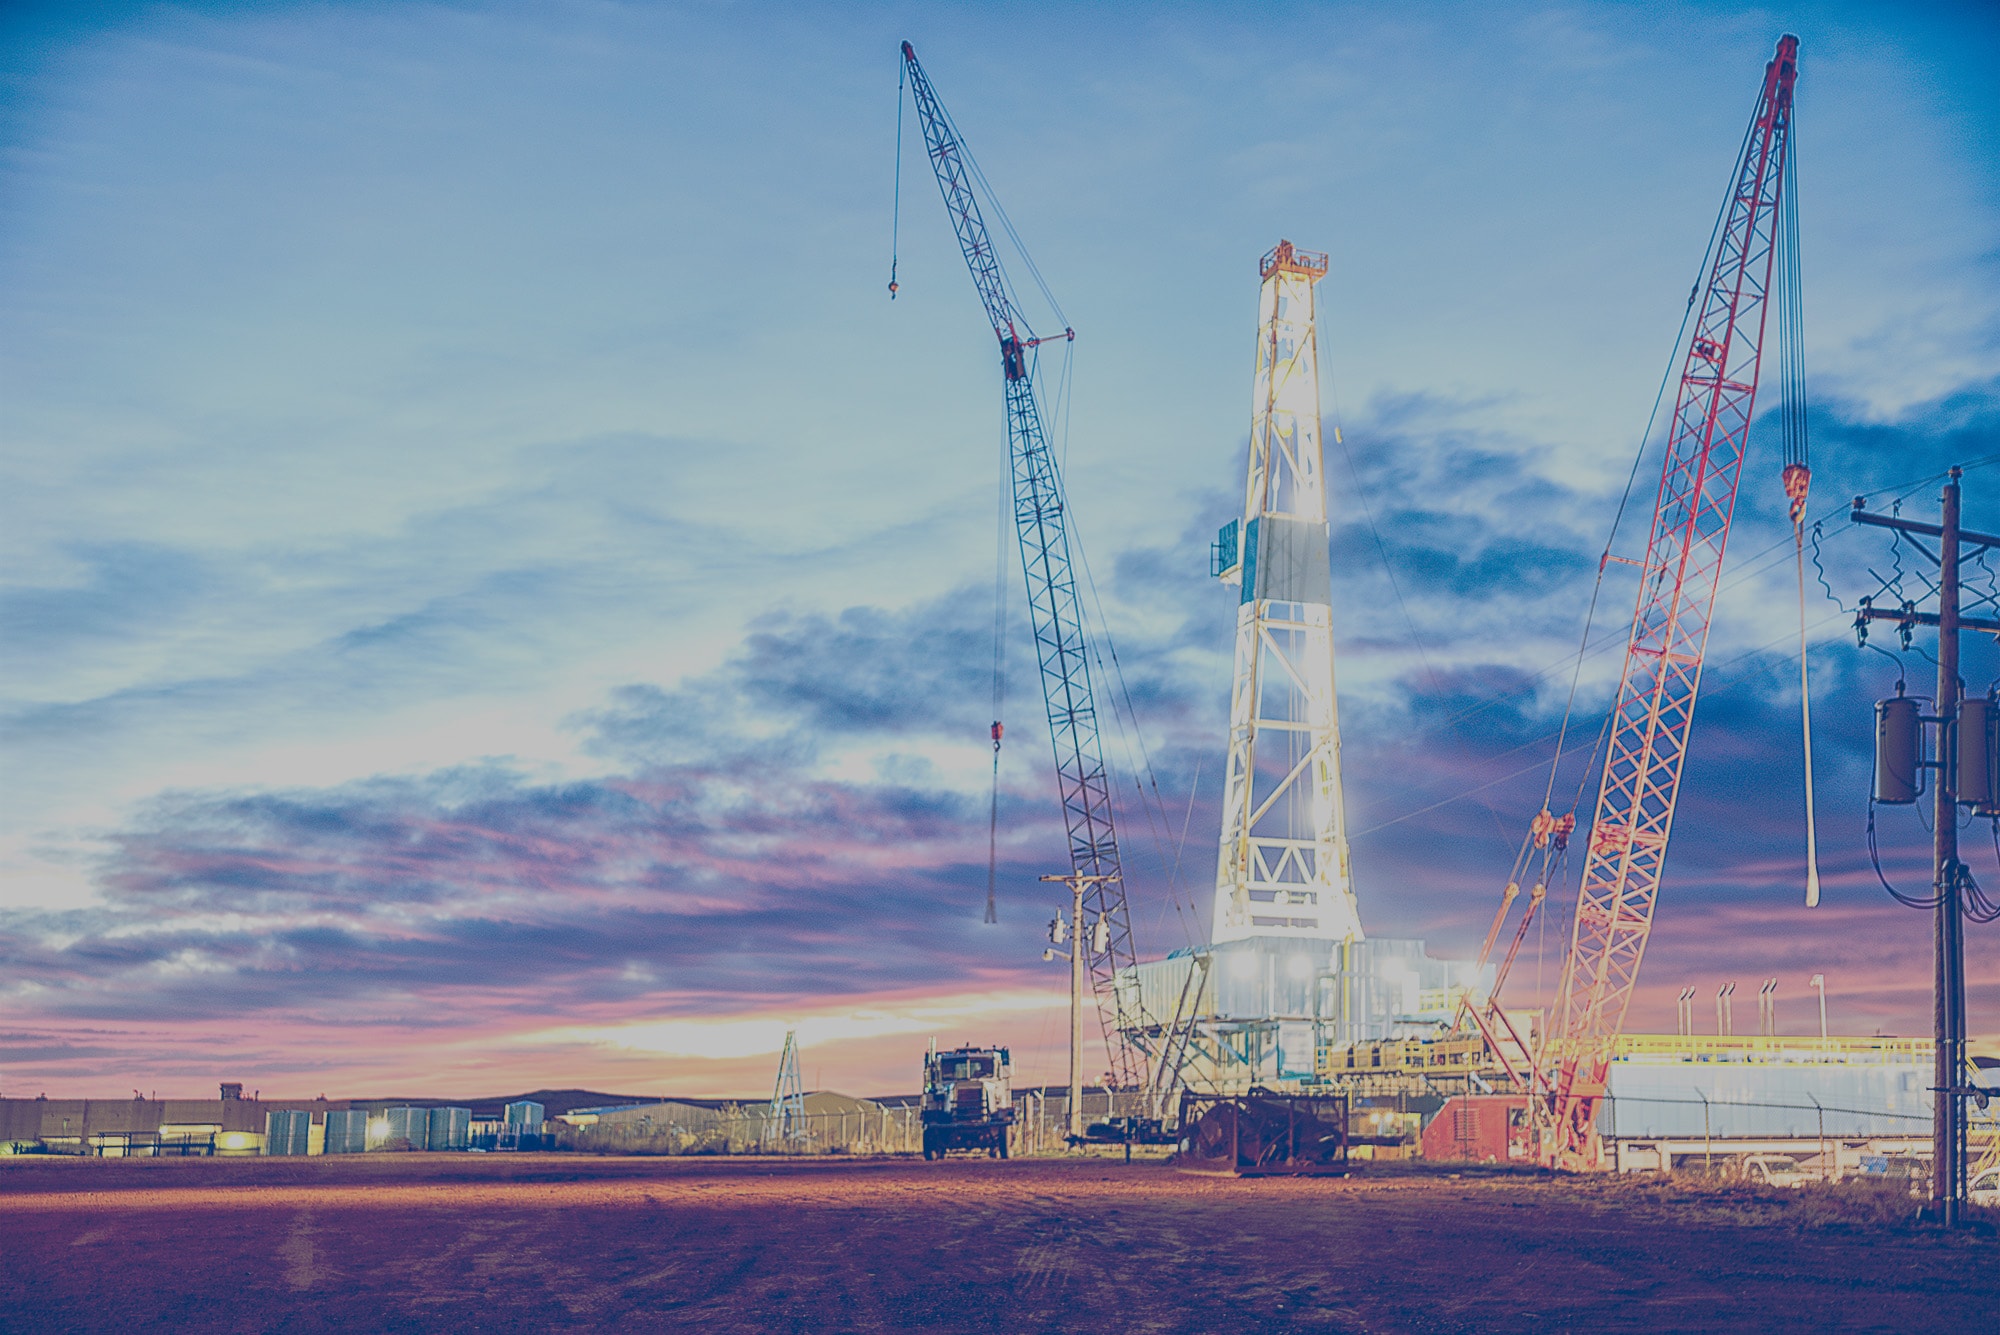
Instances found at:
x=999 y=690
x=1000 y=552
x=896 y=209
x=1546 y=830
x=1797 y=476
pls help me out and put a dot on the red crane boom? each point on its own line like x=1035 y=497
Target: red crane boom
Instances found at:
x=1649 y=727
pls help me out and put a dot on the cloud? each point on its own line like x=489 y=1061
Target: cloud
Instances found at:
x=799 y=831
x=716 y=867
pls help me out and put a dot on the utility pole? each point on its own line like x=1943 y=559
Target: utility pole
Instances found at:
x=1948 y=1147
x=1077 y=883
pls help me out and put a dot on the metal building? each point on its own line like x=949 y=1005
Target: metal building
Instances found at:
x=1686 y=1086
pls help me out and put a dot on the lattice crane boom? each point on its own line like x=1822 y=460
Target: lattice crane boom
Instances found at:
x=1055 y=609
x=1648 y=734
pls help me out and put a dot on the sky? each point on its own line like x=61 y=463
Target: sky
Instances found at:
x=495 y=595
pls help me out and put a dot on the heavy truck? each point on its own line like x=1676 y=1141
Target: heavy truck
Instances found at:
x=968 y=1101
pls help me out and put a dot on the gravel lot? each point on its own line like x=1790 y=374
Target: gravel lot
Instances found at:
x=555 y=1242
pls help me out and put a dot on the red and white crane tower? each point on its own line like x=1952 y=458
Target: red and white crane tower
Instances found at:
x=1648 y=732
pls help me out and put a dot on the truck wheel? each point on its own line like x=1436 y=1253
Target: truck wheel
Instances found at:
x=1003 y=1142
x=930 y=1146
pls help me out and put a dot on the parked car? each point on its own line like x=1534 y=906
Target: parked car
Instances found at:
x=1775 y=1170
x=1909 y=1169
x=1985 y=1189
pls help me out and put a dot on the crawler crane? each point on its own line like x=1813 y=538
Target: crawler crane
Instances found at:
x=1648 y=731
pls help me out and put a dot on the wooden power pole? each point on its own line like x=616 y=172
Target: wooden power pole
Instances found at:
x=1949 y=875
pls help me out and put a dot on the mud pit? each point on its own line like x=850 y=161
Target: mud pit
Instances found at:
x=530 y=1243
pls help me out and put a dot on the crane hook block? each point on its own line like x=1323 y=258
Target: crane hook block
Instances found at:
x=1542 y=827
x=1798 y=482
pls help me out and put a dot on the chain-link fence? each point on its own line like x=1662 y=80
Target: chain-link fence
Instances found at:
x=1041 y=1123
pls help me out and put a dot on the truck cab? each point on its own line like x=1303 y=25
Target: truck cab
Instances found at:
x=968 y=1101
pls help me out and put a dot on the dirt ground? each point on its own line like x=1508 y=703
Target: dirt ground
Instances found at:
x=554 y=1242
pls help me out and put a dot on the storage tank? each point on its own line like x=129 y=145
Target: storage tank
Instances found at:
x=451 y=1128
x=287 y=1132
x=347 y=1131
x=407 y=1128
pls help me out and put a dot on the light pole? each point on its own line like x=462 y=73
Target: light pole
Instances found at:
x=1077 y=883
x=1819 y=982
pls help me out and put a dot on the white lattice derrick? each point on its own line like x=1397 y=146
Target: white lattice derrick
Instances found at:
x=1283 y=833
